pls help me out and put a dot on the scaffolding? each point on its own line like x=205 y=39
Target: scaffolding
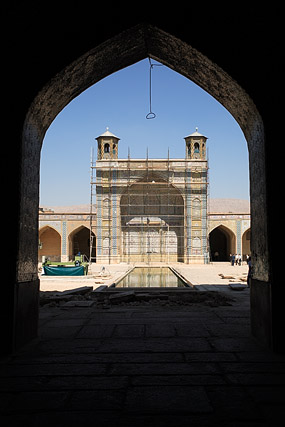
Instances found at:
x=92 y=216
x=148 y=210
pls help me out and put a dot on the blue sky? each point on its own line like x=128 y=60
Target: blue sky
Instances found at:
x=121 y=102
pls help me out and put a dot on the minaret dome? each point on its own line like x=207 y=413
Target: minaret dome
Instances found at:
x=196 y=146
x=107 y=145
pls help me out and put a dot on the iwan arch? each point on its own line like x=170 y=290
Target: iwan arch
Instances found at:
x=113 y=54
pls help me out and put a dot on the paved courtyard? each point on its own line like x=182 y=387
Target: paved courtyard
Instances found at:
x=146 y=365
x=198 y=275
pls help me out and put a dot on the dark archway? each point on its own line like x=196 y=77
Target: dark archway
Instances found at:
x=114 y=54
x=79 y=243
x=222 y=243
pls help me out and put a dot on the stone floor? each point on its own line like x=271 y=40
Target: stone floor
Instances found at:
x=154 y=365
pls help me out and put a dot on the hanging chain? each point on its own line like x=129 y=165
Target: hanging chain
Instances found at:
x=151 y=114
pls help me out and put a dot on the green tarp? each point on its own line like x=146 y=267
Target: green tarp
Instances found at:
x=60 y=270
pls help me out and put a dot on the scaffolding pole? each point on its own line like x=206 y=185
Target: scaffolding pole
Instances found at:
x=92 y=213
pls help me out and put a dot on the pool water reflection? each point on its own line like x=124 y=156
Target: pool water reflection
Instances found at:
x=148 y=277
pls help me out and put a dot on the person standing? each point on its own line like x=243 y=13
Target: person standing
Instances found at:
x=249 y=274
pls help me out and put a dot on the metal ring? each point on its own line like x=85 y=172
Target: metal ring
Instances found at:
x=150 y=115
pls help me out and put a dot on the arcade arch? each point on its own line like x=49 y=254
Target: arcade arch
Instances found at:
x=222 y=243
x=49 y=244
x=79 y=242
x=246 y=243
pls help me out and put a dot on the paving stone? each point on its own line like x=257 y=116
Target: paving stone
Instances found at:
x=166 y=420
x=237 y=286
x=160 y=330
x=15 y=420
x=191 y=330
x=53 y=369
x=98 y=418
x=262 y=356
x=97 y=400
x=233 y=403
x=58 y=323
x=122 y=297
x=59 y=332
x=129 y=331
x=167 y=399
x=134 y=357
x=163 y=368
x=156 y=345
x=252 y=367
x=264 y=378
x=134 y=366
x=179 y=380
x=117 y=320
x=67 y=346
x=76 y=291
x=95 y=331
x=229 y=330
x=74 y=313
x=210 y=357
x=274 y=414
x=170 y=315
x=237 y=344
x=268 y=394
x=60 y=383
x=82 y=304
x=28 y=401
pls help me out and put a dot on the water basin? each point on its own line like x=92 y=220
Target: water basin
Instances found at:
x=150 y=277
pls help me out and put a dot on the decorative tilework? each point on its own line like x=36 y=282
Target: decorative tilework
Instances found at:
x=114 y=213
x=54 y=224
x=188 y=209
x=239 y=236
x=99 y=224
x=63 y=240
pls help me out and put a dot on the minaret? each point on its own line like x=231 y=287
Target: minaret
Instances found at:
x=196 y=146
x=107 y=145
x=196 y=167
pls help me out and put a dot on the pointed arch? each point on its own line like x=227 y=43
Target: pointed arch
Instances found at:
x=132 y=45
x=246 y=243
x=118 y=52
x=49 y=244
x=222 y=242
x=152 y=220
x=79 y=242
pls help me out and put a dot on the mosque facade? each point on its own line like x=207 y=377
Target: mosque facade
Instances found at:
x=147 y=211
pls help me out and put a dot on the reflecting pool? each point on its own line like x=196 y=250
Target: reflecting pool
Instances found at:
x=149 y=277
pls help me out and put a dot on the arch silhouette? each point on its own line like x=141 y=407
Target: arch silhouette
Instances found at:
x=123 y=50
x=116 y=53
x=79 y=241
